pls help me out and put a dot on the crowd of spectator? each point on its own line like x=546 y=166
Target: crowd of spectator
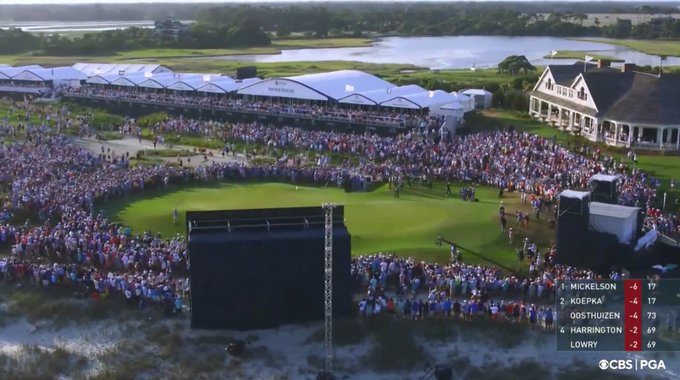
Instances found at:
x=45 y=175
x=508 y=160
x=477 y=290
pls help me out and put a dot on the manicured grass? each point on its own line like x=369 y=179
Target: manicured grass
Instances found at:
x=377 y=221
x=580 y=54
x=656 y=47
x=495 y=119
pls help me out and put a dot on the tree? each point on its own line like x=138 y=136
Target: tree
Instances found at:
x=515 y=64
x=580 y=17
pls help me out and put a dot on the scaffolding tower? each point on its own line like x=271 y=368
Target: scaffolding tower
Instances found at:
x=328 y=288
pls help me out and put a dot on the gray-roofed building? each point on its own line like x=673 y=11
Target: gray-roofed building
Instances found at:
x=620 y=107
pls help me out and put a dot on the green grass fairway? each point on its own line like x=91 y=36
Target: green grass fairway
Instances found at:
x=580 y=54
x=377 y=221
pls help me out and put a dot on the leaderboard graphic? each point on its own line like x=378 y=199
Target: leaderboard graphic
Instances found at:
x=630 y=315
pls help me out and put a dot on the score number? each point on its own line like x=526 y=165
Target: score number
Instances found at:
x=651 y=315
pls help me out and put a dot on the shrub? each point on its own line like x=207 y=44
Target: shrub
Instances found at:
x=395 y=348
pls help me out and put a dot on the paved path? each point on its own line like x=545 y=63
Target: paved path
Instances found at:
x=132 y=145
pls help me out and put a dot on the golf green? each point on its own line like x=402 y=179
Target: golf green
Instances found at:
x=377 y=221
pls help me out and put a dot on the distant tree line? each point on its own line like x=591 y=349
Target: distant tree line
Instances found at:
x=246 y=25
x=433 y=19
x=132 y=12
x=243 y=33
x=652 y=29
x=423 y=19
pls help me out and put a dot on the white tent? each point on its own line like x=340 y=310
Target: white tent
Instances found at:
x=225 y=85
x=333 y=85
x=92 y=69
x=614 y=219
x=191 y=82
x=126 y=80
x=99 y=79
x=160 y=81
x=420 y=100
x=466 y=101
x=454 y=110
x=56 y=74
x=482 y=98
x=9 y=71
x=374 y=97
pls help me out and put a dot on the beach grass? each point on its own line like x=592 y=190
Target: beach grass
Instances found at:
x=189 y=53
x=377 y=221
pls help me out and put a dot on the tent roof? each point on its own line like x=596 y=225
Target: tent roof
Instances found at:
x=125 y=80
x=92 y=69
x=190 y=82
x=148 y=80
x=452 y=106
x=420 y=100
x=135 y=79
x=381 y=95
x=321 y=86
x=337 y=84
x=613 y=211
x=223 y=85
x=158 y=81
x=100 y=79
x=461 y=96
x=605 y=177
x=57 y=73
x=477 y=91
x=9 y=71
x=465 y=101
x=574 y=194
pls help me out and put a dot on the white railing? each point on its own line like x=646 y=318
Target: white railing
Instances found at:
x=25 y=89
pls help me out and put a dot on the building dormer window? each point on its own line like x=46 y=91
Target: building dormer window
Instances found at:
x=582 y=94
x=549 y=84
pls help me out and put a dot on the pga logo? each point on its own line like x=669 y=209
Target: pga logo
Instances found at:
x=652 y=364
x=628 y=364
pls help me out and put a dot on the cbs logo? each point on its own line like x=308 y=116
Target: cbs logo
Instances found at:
x=628 y=364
